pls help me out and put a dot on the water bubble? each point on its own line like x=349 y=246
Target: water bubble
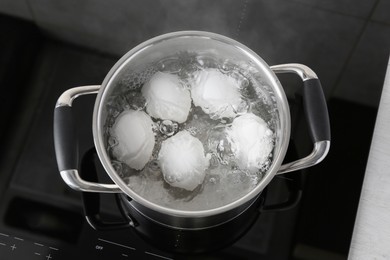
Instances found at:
x=154 y=166
x=244 y=83
x=221 y=152
x=214 y=162
x=192 y=130
x=122 y=169
x=224 y=68
x=117 y=166
x=200 y=62
x=170 y=65
x=242 y=108
x=155 y=127
x=112 y=141
x=168 y=128
x=112 y=109
x=135 y=100
x=170 y=178
x=161 y=66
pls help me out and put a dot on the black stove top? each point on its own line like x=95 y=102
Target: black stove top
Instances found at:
x=42 y=218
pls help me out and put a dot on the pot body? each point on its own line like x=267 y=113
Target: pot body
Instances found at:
x=186 y=223
x=191 y=240
x=213 y=47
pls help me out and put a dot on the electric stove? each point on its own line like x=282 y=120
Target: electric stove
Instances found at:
x=42 y=218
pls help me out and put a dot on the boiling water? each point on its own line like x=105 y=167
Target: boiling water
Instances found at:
x=225 y=178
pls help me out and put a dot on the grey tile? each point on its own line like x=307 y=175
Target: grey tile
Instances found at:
x=382 y=12
x=360 y=9
x=282 y=31
x=18 y=8
x=363 y=78
x=117 y=26
x=58 y=69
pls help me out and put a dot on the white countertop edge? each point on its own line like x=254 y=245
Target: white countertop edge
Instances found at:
x=371 y=235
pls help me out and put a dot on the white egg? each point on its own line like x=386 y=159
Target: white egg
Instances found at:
x=216 y=93
x=167 y=98
x=135 y=139
x=182 y=161
x=251 y=141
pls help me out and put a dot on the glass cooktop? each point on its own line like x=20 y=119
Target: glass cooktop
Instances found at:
x=42 y=218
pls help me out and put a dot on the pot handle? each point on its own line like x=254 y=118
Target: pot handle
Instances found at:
x=91 y=201
x=66 y=143
x=316 y=113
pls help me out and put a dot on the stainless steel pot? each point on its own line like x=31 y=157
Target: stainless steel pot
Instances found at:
x=164 y=46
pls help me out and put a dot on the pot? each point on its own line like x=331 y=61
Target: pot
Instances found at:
x=166 y=47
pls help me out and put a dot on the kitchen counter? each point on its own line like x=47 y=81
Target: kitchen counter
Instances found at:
x=371 y=236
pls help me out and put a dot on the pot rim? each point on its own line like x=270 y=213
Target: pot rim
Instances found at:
x=282 y=103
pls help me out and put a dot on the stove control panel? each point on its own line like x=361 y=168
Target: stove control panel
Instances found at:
x=18 y=248
x=14 y=247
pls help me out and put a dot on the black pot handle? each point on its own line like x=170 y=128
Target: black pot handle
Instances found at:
x=91 y=200
x=316 y=113
x=66 y=143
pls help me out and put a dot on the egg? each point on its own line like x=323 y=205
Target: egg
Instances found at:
x=182 y=161
x=167 y=98
x=216 y=93
x=134 y=137
x=251 y=141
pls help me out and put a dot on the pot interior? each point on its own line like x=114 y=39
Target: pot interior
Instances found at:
x=191 y=123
